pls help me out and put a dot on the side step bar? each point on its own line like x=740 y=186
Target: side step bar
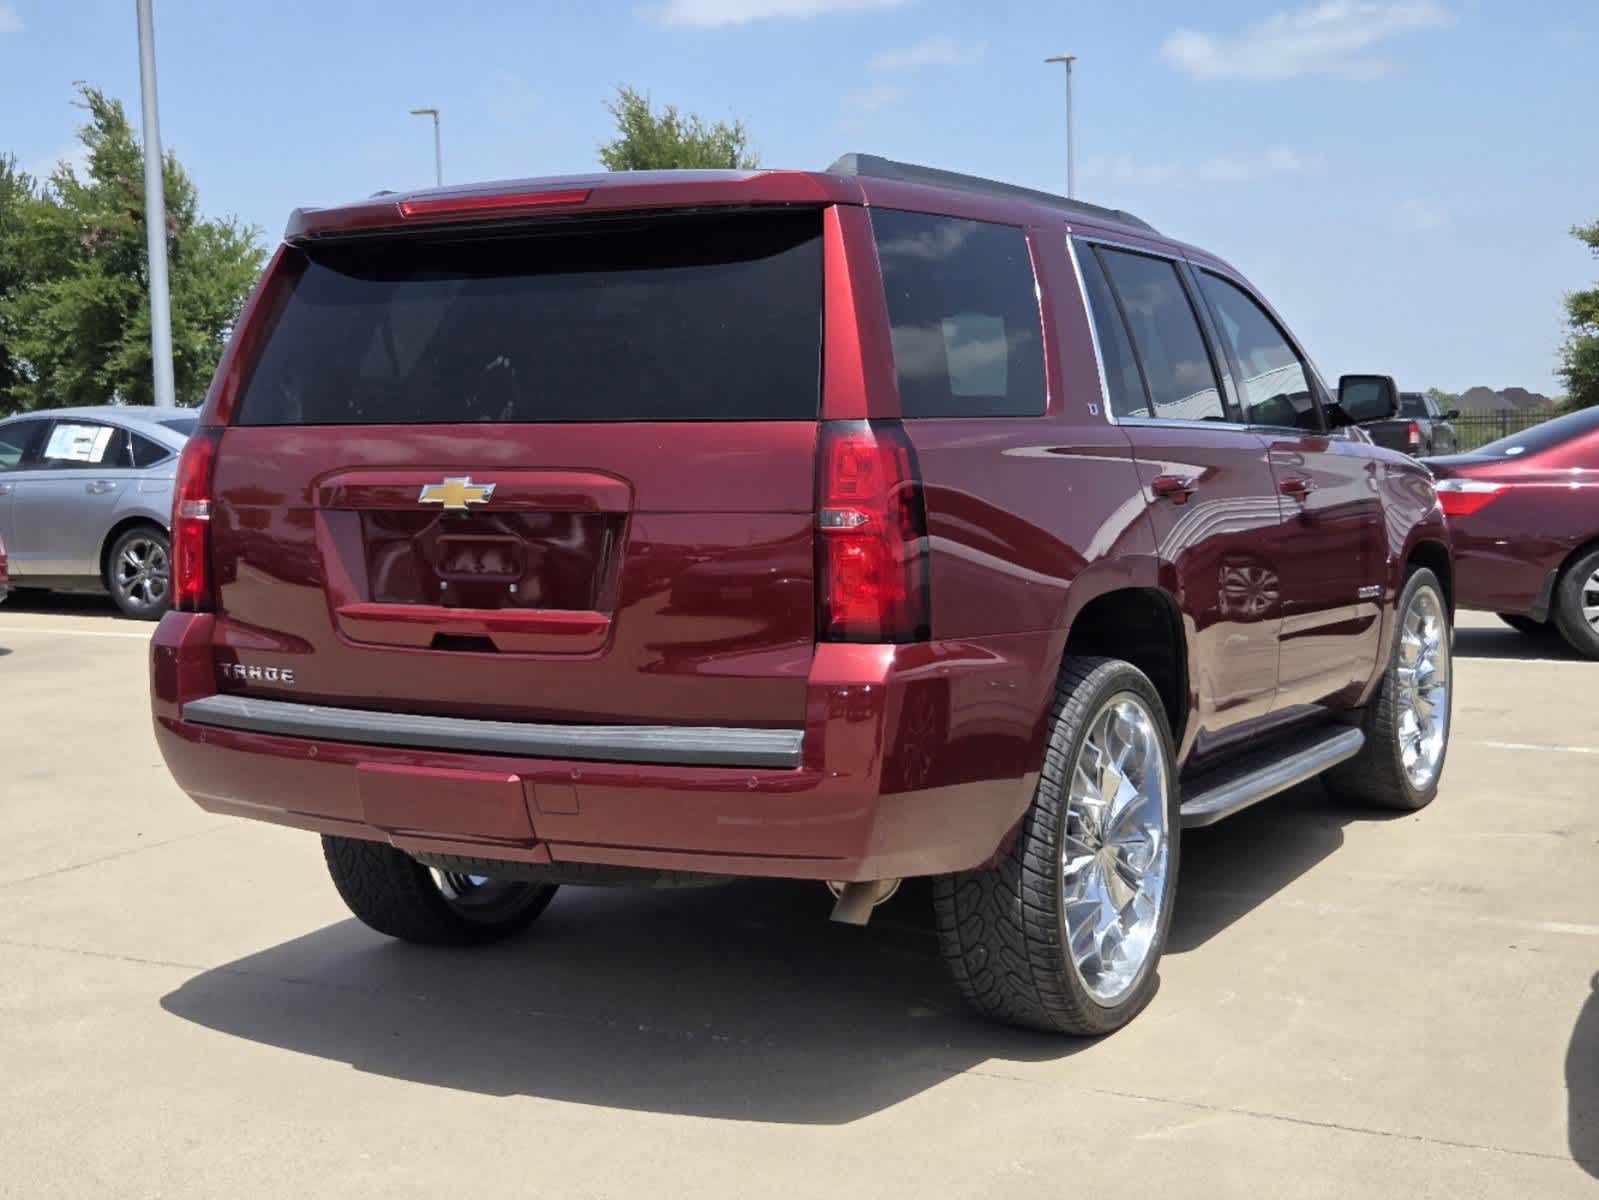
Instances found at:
x=1226 y=790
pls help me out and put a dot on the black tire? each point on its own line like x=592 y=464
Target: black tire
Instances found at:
x=1578 y=589
x=394 y=894
x=139 y=572
x=1003 y=930
x=1527 y=625
x=1377 y=775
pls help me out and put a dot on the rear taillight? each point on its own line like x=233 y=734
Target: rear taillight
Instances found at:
x=1413 y=435
x=191 y=522
x=1462 y=497
x=871 y=559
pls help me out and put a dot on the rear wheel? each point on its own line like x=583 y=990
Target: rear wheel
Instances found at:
x=394 y=894
x=1527 y=625
x=1576 y=607
x=1064 y=933
x=139 y=573
x=1407 y=721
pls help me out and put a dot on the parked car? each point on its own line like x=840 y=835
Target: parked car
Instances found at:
x=1421 y=428
x=5 y=581
x=86 y=498
x=841 y=526
x=1524 y=516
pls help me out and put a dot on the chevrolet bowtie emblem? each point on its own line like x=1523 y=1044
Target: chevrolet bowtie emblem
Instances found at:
x=455 y=493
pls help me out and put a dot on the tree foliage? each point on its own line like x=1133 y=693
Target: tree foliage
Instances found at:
x=1579 y=357
x=647 y=140
x=74 y=309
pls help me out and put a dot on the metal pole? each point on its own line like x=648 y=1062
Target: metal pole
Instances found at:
x=155 y=218
x=1071 y=131
x=438 y=155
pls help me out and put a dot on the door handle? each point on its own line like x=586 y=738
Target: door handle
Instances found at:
x=1295 y=487
x=99 y=487
x=1176 y=488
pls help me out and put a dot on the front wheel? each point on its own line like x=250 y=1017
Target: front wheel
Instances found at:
x=394 y=894
x=1407 y=721
x=1063 y=934
x=139 y=573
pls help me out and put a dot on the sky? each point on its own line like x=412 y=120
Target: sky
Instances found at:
x=1397 y=176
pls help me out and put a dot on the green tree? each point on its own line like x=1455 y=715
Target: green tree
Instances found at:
x=1579 y=357
x=76 y=320
x=649 y=141
x=16 y=198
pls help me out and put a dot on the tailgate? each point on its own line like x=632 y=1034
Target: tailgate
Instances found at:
x=564 y=477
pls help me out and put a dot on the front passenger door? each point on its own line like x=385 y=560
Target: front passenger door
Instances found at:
x=1331 y=542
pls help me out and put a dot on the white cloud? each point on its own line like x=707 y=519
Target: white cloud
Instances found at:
x=1333 y=38
x=1420 y=216
x=875 y=98
x=713 y=14
x=72 y=154
x=10 y=19
x=1216 y=171
x=939 y=51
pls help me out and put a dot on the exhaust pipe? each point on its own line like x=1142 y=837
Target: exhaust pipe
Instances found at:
x=853 y=902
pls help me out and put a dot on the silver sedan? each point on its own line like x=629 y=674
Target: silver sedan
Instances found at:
x=85 y=501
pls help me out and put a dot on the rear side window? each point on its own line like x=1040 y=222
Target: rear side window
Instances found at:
x=1272 y=382
x=647 y=319
x=146 y=453
x=963 y=307
x=83 y=444
x=1165 y=333
x=1122 y=380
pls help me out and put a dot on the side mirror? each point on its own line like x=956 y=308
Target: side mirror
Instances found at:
x=1452 y=415
x=1366 y=398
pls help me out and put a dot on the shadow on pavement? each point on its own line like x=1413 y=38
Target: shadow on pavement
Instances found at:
x=1506 y=643
x=1582 y=1085
x=740 y=1001
x=87 y=604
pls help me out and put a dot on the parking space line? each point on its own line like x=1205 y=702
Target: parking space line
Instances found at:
x=1532 y=746
x=52 y=632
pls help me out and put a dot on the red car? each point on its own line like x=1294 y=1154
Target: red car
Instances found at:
x=1524 y=519
x=4 y=576
x=842 y=526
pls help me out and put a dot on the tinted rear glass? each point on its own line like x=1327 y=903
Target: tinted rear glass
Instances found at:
x=963 y=308
x=183 y=425
x=674 y=319
x=1545 y=436
x=1412 y=404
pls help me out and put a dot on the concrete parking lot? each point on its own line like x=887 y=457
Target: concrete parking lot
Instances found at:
x=1351 y=1005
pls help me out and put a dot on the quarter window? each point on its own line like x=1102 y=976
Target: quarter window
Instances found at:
x=1272 y=382
x=963 y=308
x=146 y=453
x=1177 y=370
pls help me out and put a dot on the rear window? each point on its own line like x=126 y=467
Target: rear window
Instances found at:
x=1412 y=404
x=963 y=308
x=669 y=319
x=1545 y=436
x=183 y=425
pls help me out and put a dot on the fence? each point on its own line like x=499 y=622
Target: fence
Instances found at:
x=1478 y=429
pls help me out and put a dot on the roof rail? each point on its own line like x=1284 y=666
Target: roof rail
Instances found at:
x=874 y=166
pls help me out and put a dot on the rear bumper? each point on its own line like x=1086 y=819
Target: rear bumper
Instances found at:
x=912 y=760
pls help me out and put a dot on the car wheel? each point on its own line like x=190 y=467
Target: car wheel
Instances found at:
x=390 y=891
x=1063 y=934
x=139 y=573
x=1527 y=625
x=1576 y=607
x=1407 y=721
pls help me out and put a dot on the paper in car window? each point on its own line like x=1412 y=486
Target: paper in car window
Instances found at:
x=78 y=443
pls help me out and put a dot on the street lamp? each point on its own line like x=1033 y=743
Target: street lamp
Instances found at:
x=1071 y=139
x=155 y=217
x=438 y=160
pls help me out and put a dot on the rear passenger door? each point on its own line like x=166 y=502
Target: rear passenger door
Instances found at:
x=1211 y=490
x=63 y=504
x=1331 y=543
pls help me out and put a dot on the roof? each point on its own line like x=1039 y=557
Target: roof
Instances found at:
x=126 y=414
x=853 y=179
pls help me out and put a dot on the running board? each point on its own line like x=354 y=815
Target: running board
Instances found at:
x=1226 y=790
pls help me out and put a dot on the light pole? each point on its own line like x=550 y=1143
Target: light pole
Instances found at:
x=1071 y=137
x=155 y=218
x=438 y=159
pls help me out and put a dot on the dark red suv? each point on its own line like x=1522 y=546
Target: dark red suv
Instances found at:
x=844 y=526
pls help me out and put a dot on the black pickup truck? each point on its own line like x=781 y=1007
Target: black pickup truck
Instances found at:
x=1421 y=428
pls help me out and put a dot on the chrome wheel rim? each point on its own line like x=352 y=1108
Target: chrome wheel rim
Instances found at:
x=1116 y=850
x=1423 y=726
x=1589 y=599
x=143 y=572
